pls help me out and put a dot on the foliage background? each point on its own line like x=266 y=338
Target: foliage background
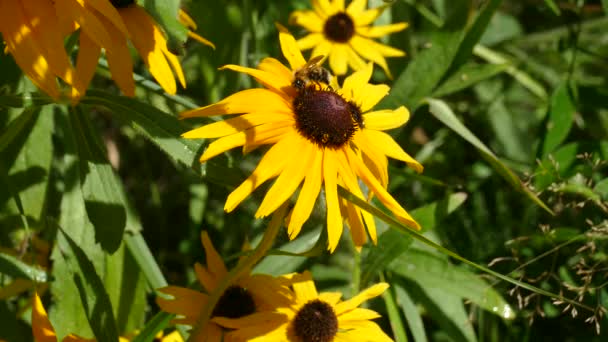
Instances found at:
x=524 y=79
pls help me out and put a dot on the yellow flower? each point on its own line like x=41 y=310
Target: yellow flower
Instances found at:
x=33 y=35
x=346 y=35
x=320 y=136
x=108 y=25
x=311 y=317
x=43 y=330
x=246 y=295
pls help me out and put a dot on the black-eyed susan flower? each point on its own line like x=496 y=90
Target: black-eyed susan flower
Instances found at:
x=33 y=35
x=346 y=35
x=313 y=316
x=109 y=24
x=247 y=294
x=43 y=330
x=321 y=137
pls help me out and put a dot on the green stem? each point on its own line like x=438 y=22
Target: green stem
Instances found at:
x=243 y=267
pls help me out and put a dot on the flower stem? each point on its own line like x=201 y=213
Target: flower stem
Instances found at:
x=244 y=266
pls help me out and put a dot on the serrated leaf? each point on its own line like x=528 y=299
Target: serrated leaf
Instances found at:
x=411 y=312
x=12 y=266
x=103 y=195
x=162 y=129
x=560 y=119
x=425 y=71
x=94 y=298
x=443 y=113
x=75 y=222
x=433 y=272
x=468 y=75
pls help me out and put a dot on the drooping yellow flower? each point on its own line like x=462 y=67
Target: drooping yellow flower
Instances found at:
x=345 y=35
x=108 y=25
x=33 y=35
x=43 y=330
x=312 y=316
x=246 y=295
x=320 y=137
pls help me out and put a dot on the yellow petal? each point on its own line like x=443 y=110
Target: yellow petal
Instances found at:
x=267 y=79
x=185 y=302
x=386 y=119
x=338 y=5
x=338 y=59
x=310 y=20
x=119 y=59
x=204 y=276
x=305 y=289
x=43 y=21
x=359 y=79
x=323 y=8
x=25 y=50
x=41 y=326
x=270 y=166
x=381 y=30
x=365 y=48
x=251 y=135
x=384 y=197
x=331 y=298
x=215 y=263
x=310 y=41
x=354 y=60
x=358 y=314
x=388 y=146
x=275 y=67
x=334 y=219
x=355 y=223
x=290 y=50
x=175 y=65
x=290 y=178
x=150 y=43
x=200 y=39
x=373 y=157
x=307 y=197
x=356 y=7
x=91 y=25
x=108 y=11
x=369 y=293
x=322 y=49
x=246 y=101
x=235 y=125
x=86 y=64
x=361 y=331
x=365 y=18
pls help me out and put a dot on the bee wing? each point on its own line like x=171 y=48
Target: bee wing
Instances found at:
x=313 y=61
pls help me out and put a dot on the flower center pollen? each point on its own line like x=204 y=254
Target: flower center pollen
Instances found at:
x=324 y=117
x=122 y=3
x=236 y=302
x=316 y=322
x=339 y=28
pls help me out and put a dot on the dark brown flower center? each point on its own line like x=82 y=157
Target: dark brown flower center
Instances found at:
x=339 y=28
x=122 y=3
x=236 y=302
x=316 y=322
x=324 y=117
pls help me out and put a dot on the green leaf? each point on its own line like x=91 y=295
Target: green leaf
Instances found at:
x=101 y=189
x=551 y=4
x=144 y=258
x=153 y=327
x=19 y=126
x=162 y=129
x=443 y=113
x=560 y=119
x=411 y=312
x=605 y=5
x=425 y=71
x=465 y=50
x=11 y=266
x=94 y=298
x=392 y=243
x=126 y=287
x=394 y=316
x=601 y=188
x=468 y=75
x=166 y=13
x=433 y=272
x=75 y=222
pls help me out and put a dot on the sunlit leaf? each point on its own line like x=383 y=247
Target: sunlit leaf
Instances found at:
x=560 y=118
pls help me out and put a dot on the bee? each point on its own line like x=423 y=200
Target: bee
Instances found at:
x=311 y=72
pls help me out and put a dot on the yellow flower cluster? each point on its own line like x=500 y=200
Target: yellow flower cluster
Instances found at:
x=323 y=132
x=34 y=32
